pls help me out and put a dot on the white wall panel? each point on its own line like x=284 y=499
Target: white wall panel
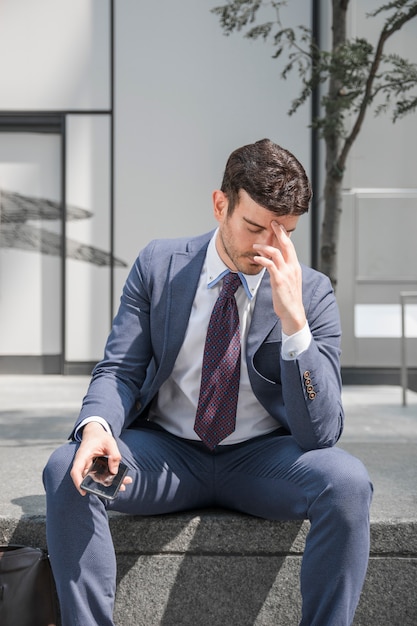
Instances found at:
x=377 y=262
x=54 y=54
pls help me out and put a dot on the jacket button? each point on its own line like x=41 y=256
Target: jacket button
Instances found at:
x=306 y=374
x=307 y=381
x=312 y=395
x=310 y=388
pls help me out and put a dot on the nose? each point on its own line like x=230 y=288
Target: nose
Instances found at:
x=269 y=238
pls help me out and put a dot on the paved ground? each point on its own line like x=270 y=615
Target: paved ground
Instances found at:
x=37 y=414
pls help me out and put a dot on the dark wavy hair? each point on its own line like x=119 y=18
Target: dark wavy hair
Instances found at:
x=272 y=177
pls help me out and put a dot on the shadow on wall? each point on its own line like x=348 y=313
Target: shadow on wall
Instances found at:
x=17 y=210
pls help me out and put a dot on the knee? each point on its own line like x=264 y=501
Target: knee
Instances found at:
x=357 y=483
x=57 y=469
x=351 y=486
x=346 y=486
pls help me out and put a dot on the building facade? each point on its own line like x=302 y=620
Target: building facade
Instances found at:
x=116 y=119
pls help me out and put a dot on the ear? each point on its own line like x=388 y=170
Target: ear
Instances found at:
x=220 y=205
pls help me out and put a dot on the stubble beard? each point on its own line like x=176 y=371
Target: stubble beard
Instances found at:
x=241 y=262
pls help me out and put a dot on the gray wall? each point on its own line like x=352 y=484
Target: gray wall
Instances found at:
x=181 y=96
x=185 y=97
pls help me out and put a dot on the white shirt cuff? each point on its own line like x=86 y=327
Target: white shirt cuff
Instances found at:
x=294 y=345
x=87 y=420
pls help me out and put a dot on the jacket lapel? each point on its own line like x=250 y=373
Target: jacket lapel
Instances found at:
x=264 y=318
x=184 y=275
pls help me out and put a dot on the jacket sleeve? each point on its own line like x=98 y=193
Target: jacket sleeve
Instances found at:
x=311 y=384
x=118 y=378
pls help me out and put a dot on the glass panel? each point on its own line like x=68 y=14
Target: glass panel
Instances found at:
x=384 y=320
x=30 y=244
x=88 y=236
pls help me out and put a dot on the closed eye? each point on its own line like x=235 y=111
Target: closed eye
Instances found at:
x=253 y=227
x=255 y=230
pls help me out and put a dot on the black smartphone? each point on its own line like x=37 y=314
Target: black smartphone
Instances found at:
x=100 y=481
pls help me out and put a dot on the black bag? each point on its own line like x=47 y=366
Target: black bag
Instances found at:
x=27 y=590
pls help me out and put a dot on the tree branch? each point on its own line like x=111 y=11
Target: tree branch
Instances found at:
x=386 y=33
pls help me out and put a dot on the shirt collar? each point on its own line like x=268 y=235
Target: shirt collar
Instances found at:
x=216 y=269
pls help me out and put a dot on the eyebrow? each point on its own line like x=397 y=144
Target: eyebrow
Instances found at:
x=291 y=230
x=254 y=223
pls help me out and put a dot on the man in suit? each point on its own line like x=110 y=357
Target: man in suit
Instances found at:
x=275 y=456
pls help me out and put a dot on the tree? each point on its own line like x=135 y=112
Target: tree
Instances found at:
x=357 y=74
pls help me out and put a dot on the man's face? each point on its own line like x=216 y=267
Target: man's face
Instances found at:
x=249 y=223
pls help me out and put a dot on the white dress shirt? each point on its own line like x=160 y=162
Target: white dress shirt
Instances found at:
x=176 y=403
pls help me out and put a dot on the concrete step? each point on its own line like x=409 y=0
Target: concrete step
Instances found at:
x=215 y=567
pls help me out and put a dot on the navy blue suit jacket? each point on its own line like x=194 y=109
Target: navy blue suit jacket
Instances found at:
x=147 y=333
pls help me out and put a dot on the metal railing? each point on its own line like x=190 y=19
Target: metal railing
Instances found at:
x=404 y=296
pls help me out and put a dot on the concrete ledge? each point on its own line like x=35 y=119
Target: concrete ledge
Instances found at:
x=216 y=567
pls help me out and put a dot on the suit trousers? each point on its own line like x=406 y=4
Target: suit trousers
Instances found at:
x=269 y=477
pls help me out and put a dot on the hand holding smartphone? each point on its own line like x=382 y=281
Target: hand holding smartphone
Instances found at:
x=101 y=482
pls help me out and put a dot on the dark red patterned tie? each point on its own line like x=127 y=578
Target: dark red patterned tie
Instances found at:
x=216 y=411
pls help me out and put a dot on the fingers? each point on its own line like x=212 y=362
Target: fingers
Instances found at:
x=281 y=262
x=282 y=248
x=81 y=465
x=282 y=236
x=269 y=257
x=114 y=456
x=128 y=480
x=95 y=442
